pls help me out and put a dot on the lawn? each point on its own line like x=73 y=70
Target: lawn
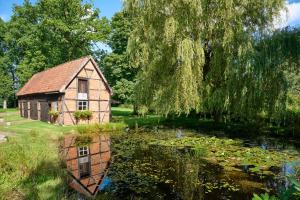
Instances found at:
x=29 y=162
x=30 y=167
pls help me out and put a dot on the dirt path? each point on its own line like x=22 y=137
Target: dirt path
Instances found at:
x=3 y=134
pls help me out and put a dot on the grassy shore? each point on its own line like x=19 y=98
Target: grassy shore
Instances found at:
x=29 y=162
x=30 y=167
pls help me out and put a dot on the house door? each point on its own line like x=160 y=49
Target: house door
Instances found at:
x=21 y=109
x=44 y=111
x=25 y=109
x=33 y=110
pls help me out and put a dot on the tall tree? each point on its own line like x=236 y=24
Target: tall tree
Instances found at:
x=200 y=55
x=120 y=74
x=277 y=60
x=6 y=83
x=51 y=32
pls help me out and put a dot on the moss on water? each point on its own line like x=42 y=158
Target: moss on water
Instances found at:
x=230 y=153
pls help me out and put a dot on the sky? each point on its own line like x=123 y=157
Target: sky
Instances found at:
x=109 y=7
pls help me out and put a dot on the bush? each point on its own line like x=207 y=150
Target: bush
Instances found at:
x=98 y=128
x=83 y=140
x=83 y=115
x=53 y=115
x=87 y=115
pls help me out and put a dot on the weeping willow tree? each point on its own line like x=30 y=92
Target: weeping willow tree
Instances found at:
x=204 y=55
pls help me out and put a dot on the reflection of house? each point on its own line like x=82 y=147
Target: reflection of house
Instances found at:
x=66 y=88
x=87 y=165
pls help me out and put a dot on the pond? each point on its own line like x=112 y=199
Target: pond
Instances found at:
x=179 y=164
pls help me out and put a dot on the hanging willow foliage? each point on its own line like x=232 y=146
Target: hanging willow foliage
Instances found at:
x=206 y=55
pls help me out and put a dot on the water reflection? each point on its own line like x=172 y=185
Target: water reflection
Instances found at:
x=147 y=171
x=87 y=159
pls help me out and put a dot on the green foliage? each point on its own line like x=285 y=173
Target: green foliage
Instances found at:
x=291 y=192
x=30 y=166
x=51 y=32
x=100 y=128
x=7 y=87
x=83 y=140
x=86 y=114
x=83 y=115
x=77 y=115
x=120 y=74
x=175 y=164
x=53 y=114
x=264 y=197
x=233 y=155
x=210 y=56
x=29 y=163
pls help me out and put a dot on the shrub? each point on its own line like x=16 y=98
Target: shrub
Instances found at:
x=53 y=115
x=87 y=129
x=83 y=140
x=98 y=128
x=142 y=110
x=84 y=115
x=77 y=115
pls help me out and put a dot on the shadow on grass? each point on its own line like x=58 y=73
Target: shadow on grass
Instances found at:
x=153 y=121
x=122 y=112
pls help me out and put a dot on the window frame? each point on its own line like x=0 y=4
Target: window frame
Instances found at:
x=84 y=170
x=86 y=86
x=82 y=105
x=84 y=150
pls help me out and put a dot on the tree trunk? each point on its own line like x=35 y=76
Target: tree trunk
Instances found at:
x=217 y=117
x=5 y=104
x=135 y=109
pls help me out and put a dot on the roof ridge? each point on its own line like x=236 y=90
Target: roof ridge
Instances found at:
x=56 y=79
x=61 y=64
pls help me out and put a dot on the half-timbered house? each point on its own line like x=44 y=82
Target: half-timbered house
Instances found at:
x=73 y=86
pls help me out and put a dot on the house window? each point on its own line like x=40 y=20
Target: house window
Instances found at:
x=84 y=169
x=83 y=151
x=84 y=162
x=82 y=105
x=82 y=86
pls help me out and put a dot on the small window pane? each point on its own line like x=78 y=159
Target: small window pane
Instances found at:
x=82 y=105
x=83 y=151
x=84 y=169
x=82 y=86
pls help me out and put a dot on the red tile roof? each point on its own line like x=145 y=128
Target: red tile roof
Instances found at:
x=55 y=79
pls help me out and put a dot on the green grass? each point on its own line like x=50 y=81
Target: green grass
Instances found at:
x=8 y=110
x=125 y=115
x=29 y=162
x=118 y=111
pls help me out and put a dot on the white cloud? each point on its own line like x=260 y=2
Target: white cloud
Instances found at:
x=4 y=17
x=291 y=17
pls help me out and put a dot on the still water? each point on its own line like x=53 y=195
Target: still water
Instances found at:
x=142 y=168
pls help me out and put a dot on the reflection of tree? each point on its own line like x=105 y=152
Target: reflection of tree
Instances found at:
x=156 y=172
